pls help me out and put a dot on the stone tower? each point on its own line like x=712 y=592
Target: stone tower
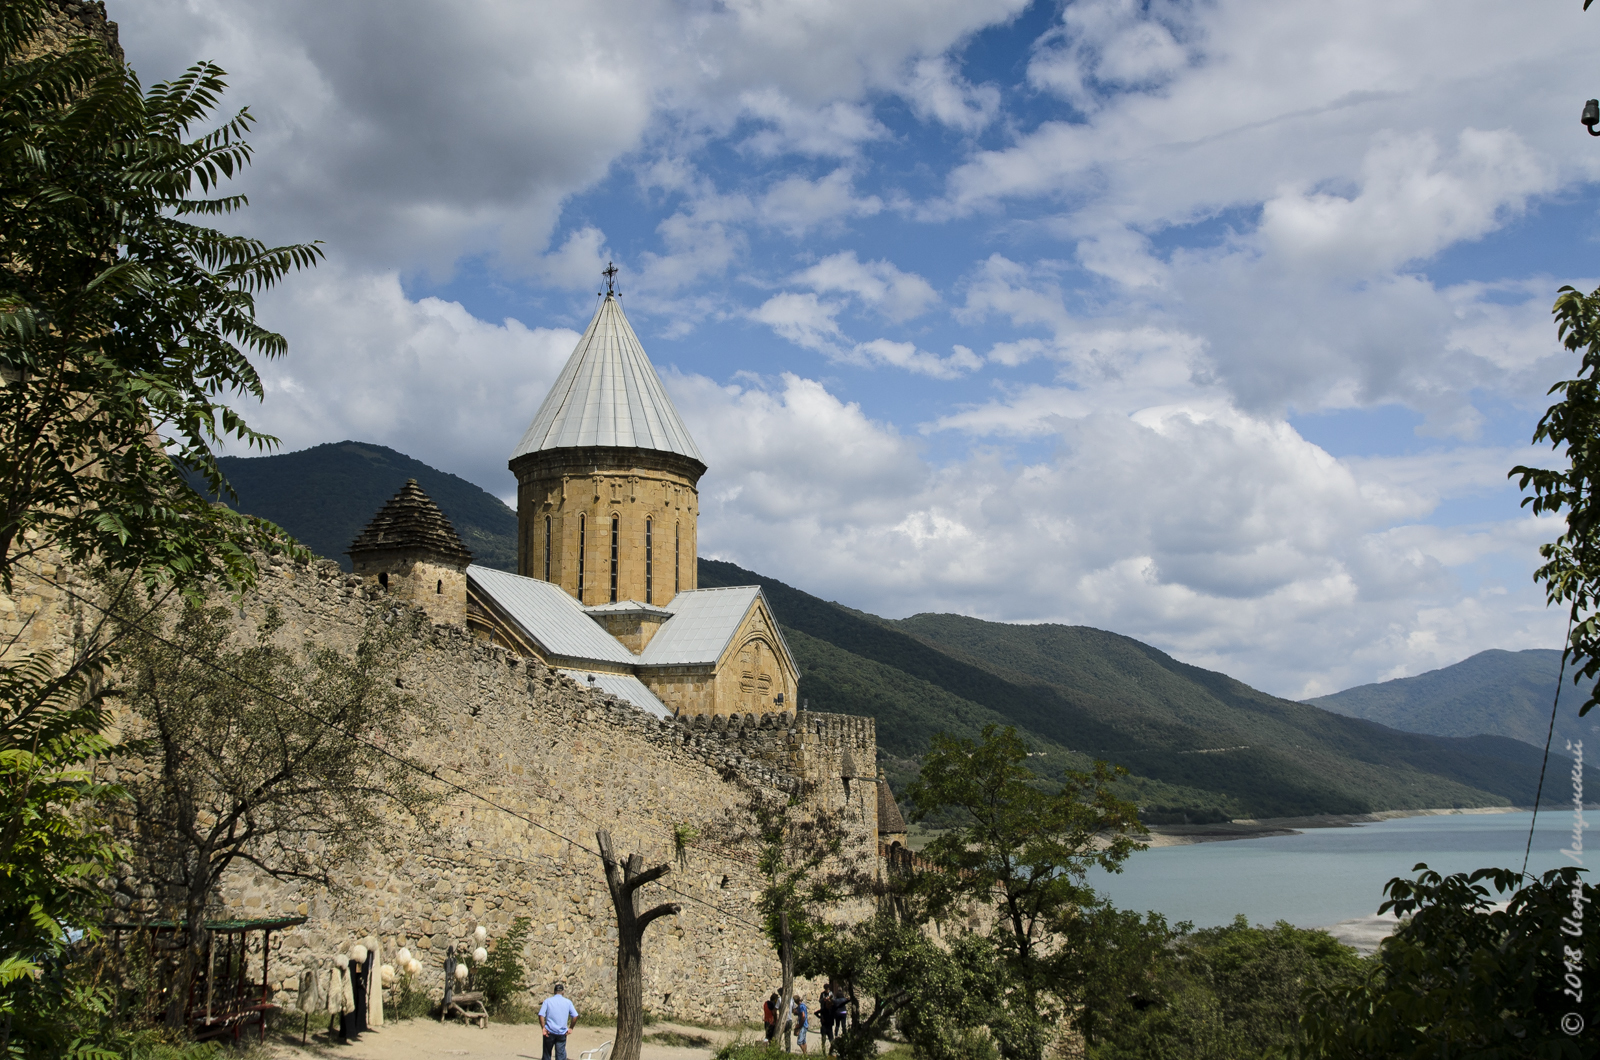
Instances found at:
x=412 y=551
x=606 y=476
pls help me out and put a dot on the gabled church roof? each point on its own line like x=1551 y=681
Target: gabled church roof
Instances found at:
x=608 y=395
x=411 y=520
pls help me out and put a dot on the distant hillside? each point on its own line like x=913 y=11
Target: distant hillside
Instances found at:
x=1201 y=744
x=326 y=495
x=1502 y=693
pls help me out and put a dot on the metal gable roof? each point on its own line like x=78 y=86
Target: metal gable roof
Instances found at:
x=608 y=394
x=551 y=617
x=703 y=624
x=623 y=686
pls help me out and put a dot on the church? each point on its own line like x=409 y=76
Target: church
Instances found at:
x=605 y=589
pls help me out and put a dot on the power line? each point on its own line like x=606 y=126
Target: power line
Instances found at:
x=403 y=761
x=1548 y=737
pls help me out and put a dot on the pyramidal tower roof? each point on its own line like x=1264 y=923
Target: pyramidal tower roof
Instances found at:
x=411 y=520
x=608 y=394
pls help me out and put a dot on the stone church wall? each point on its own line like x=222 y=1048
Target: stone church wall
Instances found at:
x=529 y=739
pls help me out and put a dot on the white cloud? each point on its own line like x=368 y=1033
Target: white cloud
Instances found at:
x=796 y=205
x=897 y=295
x=424 y=377
x=937 y=91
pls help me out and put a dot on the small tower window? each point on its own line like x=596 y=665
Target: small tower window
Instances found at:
x=383 y=579
x=547 y=548
x=439 y=588
x=581 y=543
x=616 y=532
x=649 y=562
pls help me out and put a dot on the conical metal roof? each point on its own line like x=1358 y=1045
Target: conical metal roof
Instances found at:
x=608 y=394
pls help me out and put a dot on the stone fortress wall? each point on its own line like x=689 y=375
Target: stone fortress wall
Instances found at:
x=529 y=739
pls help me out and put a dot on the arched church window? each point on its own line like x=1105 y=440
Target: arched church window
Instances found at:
x=616 y=532
x=547 y=548
x=581 y=550
x=649 y=562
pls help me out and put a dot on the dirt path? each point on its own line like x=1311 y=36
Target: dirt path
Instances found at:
x=425 y=1039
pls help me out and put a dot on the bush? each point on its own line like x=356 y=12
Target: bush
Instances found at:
x=502 y=978
x=410 y=1000
x=742 y=1048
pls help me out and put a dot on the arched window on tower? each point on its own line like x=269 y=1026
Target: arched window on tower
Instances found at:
x=649 y=562
x=438 y=589
x=581 y=550
x=616 y=531
x=547 y=548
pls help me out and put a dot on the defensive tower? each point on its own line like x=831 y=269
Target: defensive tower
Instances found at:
x=607 y=474
x=411 y=550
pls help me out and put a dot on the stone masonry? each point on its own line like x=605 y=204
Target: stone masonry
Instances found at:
x=566 y=761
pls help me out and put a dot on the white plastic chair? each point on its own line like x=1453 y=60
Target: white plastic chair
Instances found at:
x=602 y=1053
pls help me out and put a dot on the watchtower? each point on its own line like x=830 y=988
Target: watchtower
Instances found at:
x=411 y=550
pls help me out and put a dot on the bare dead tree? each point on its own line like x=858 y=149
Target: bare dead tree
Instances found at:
x=624 y=878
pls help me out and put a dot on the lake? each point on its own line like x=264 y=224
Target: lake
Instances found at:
x=1326 y=875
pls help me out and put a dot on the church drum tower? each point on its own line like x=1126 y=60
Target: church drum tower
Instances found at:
x=607 y=474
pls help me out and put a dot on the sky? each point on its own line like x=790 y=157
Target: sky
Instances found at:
x=1215 y=324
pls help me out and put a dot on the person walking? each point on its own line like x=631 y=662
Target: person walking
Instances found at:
x=802 y=1017
x=769 y=1016
x=841 y=1010
x=556 y=1017
x=825 y=1016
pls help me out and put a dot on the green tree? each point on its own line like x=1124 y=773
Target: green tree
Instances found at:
x=1463 y=977
x=125 y=325
x=262 y=755
x=1023 y=850
x=1571 y=427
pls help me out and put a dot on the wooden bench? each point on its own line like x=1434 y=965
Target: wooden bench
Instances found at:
x=468 y=1006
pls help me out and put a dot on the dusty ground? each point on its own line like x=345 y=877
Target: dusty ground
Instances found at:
x=425 y=1039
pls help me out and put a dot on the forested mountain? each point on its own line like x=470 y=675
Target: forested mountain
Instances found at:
x=326 y=495
x=1201 y=746
x=1503 y=693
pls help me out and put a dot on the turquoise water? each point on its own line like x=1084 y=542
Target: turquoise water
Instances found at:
x=1326 y=875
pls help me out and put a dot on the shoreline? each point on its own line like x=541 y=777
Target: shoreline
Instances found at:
x=1178 y=835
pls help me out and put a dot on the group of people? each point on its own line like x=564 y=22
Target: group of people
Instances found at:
x=833 y=1015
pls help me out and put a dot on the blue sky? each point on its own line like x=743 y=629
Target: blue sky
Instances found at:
x=1217 y=324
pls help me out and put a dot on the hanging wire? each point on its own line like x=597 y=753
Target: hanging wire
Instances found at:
x=1566 y=648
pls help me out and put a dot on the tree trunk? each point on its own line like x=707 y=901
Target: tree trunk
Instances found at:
x=624 y=879
x=786 y=959
x=194 y=930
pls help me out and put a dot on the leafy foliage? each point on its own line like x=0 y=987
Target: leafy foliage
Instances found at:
x=1571 y=570
x=124 y=322
x=1466 y=978
x=502 y=978
x=256 y=755
x=1024 y=851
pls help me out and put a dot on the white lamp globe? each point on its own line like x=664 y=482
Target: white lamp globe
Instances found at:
x=415 y=967
x=358 y=953
x=480 y=955
x=386 y=973
x=461 y=971
x=482 y=932
x=404 y=956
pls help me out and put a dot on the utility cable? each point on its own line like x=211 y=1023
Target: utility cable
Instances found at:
x=1566 y=648
x=403 y=761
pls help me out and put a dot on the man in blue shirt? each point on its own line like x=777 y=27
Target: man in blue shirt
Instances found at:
x=556 y=1016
